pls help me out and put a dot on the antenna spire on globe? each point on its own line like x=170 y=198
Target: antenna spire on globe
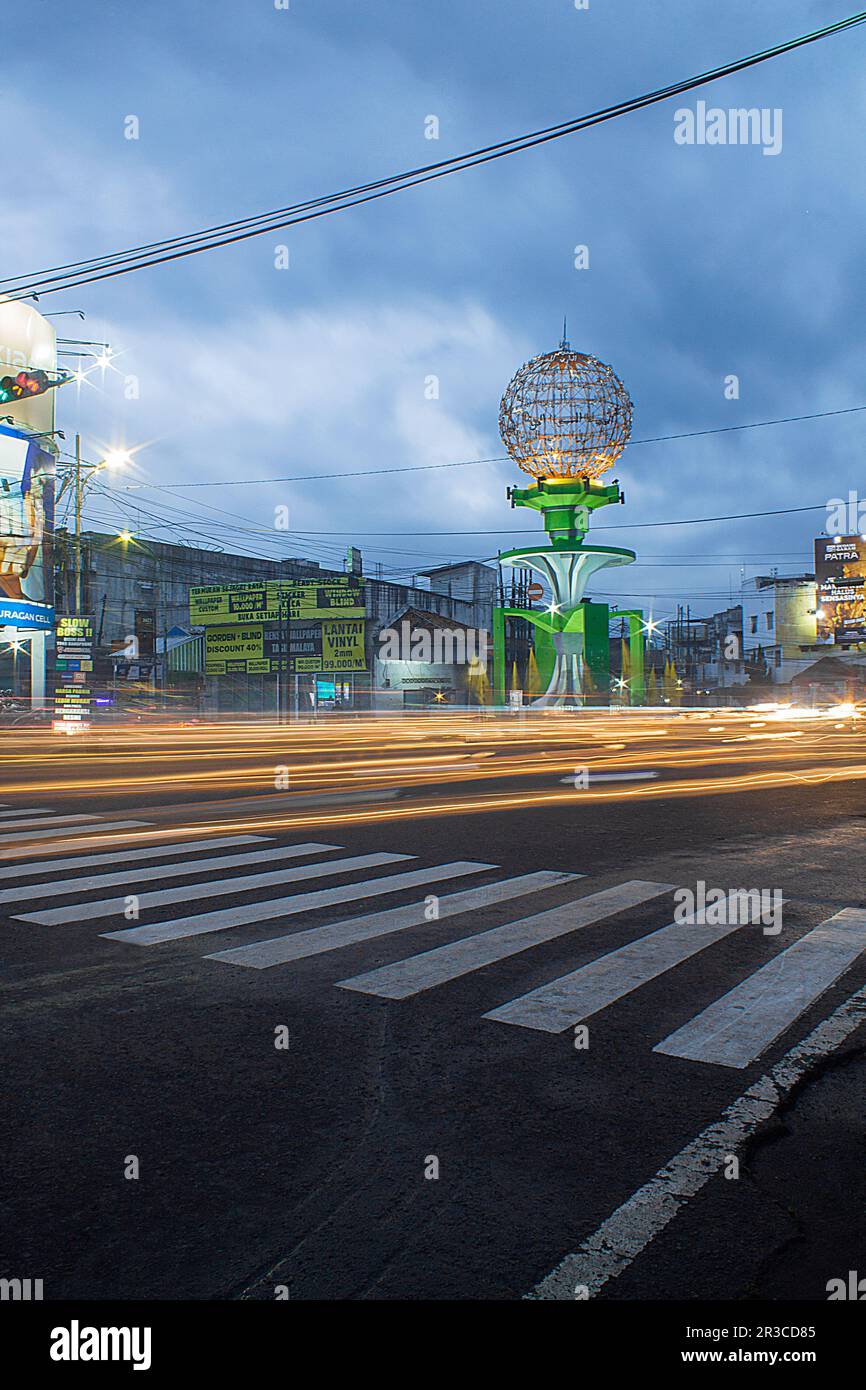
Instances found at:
x=565 y=419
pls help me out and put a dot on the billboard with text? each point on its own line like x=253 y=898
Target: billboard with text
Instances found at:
x=26 y=529
x=317 y=648
x=840 y=576
x=298 y=599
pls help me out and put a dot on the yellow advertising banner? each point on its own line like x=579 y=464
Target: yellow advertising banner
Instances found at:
x=342 y=650
x=213 y=604
x=259 y=649
x=232 y=648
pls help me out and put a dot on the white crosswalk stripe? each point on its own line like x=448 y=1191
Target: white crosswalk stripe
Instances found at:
x=284 y=907
x=127 y=856
x=30 y=811
x=38 y=819
x=741 y=1025
x=568 y=1000
x=72 y=831
x=417 y=973
x=279 y=950
x=57 y=888
x=112 y=907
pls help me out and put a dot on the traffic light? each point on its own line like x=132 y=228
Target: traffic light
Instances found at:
x=24 y=385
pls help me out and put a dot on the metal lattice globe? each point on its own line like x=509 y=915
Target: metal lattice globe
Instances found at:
x=565 y=415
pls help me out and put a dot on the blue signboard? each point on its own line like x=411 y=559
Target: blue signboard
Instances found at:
x=32 y=617
x=26 y=526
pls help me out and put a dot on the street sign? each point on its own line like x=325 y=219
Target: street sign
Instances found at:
x=74 y=637
x=535 y=592
x=72 y=706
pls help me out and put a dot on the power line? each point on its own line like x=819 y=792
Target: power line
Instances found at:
x=623 y=526
x=260 y=533
x=356 y=473
x=358 y=532
x=77 y=273
x=499 y=458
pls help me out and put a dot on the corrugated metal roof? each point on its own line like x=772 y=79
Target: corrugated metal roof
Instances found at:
x=187 y=656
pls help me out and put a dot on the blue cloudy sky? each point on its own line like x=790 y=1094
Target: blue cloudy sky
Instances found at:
x=704 y=262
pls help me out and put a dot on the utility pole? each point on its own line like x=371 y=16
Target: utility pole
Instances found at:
x=284 y=711
x=689 y=641
x=285 y=645
x=164 y=617
x=78 y=525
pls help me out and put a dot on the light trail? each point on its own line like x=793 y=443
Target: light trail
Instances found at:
x=433 y=763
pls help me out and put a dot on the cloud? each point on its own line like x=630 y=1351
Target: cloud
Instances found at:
x=704 y=261
x=357 y=388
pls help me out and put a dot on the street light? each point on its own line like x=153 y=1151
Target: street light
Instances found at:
x=82 y=476
x=117 y=458
x=16 y=645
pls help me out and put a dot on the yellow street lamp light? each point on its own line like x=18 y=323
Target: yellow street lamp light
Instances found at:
x=81 y=477
x=117 y=458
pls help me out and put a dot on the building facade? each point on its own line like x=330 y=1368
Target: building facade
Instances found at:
x=138 y=595
x=780 y=624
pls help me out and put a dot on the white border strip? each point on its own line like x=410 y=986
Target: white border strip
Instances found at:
x=631 y=1228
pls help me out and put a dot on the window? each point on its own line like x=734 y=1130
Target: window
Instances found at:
x=753 y=623
x=769 y=617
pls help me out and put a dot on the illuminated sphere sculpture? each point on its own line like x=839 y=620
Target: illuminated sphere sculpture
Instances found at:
x=565 y=415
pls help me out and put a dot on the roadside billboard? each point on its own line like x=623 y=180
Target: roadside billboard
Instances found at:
x=840 y=576
x=224 y=604
x=329 y=646
x=26 y=529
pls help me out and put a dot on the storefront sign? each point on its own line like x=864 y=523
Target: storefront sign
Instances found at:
x=220 y=604
x=72 y=706
x=332 y=645
x=74 y=644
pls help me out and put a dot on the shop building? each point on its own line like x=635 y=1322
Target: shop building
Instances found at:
x=137 y=592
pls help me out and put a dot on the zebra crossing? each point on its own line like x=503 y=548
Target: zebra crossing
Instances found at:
x=41 y=823
x=445 y=963
x=742 y=1024
x=731 y=1031
x=568 y=1001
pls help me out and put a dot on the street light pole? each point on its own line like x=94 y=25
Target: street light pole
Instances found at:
x=78 y=480
x=78 y=525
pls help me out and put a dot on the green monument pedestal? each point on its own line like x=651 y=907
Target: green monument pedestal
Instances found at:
x=572 y=633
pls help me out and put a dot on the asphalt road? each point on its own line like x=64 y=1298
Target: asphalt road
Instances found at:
x=405 y=1144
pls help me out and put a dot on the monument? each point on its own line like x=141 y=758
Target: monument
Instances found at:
x=565 y=419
